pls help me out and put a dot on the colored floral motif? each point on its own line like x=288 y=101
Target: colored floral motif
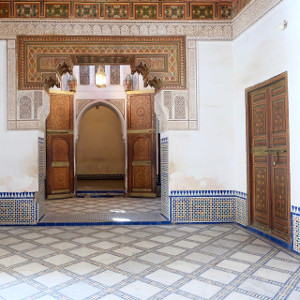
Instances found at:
x=146 y=11
x=4 y=10
x=174 y=11
x=202 y=11
x=57 y=11
x=225 y=12
x=116 y=11
x=27 y=10
x=86 y=11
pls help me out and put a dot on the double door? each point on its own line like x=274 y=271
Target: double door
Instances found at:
x=268 y=134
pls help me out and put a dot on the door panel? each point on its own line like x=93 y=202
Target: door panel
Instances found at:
x=269 y=157
x=60 y=146
x=141 y=145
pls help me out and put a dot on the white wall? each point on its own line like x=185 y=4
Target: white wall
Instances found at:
x=18 y=150
x=204 y=159
x=261 y=53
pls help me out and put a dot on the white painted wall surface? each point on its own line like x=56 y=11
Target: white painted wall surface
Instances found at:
x=261 y=53
x=204 y=160
x=18 y=149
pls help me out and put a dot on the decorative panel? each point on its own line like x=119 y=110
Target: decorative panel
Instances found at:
x=174 y=11
x=146 y=11
x=57 y=10
x=42 y=173
x=34 y=50
x=278 y=114
x=202 y=11
x=115 y=75
x=4 y=9
x=209 y=206
x=18 y=208
x=27 y=10
x=116 y=11
x=296 y=228
x=259 y=120
x=164 y=156
x=86 y=10
x=225 y=11
x=142 y=115
x=84 y=75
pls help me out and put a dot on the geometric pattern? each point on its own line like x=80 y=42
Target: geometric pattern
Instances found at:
x=40 y=56
x=24 y=10
x=132 y=9
x=209 y=206
x=18 y=208
x=164 y=170
x=57 y=10
x=41 y=167
x=296 y=231
x=86 y=10
x=174 y=11
x=204 y=12
x=207 y=261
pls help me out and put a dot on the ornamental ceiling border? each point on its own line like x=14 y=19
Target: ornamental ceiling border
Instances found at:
x=226 y=30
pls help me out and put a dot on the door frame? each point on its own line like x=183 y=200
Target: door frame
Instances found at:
x=250 y=89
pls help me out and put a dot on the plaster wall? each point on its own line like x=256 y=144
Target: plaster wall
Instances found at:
x=261 y=53
x=203 y=159
x=100 y=148
x=18 y=149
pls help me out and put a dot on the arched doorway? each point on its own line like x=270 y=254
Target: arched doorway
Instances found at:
x=100 y=152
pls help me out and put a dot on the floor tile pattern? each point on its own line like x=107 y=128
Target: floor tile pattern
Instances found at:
x=194 y=261
x=102 y=210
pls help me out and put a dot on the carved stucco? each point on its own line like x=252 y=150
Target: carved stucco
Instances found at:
x=193 y=30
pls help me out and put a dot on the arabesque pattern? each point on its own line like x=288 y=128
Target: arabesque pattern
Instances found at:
x=39 y=56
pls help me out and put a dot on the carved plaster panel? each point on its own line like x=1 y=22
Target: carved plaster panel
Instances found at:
x=33 y=108
x=206 y=30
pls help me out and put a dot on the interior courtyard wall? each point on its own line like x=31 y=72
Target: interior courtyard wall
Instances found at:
x=100 y=148
x=261 y=53
x=18 y=149
x=202 y=160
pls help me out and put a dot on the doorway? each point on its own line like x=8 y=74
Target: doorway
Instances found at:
x=268 y=157
x=100 y=153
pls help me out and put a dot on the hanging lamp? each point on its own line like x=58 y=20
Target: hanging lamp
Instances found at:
x=100 y=77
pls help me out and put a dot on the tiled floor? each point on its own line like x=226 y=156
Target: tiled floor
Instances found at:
x=100 y=185
x=102 y=210
x=173 y=262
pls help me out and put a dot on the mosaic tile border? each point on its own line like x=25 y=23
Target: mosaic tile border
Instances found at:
x=295 y=217
x=165 y=199
x=18 y=208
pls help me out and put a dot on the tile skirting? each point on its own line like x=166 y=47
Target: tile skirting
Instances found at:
x=18 y=208
x=209 y=206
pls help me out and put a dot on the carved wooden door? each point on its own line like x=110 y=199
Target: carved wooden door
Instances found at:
x=60 y=146
x=141 y=145
x=269 y=157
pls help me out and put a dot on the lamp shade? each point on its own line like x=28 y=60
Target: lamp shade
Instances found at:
x=100 y=77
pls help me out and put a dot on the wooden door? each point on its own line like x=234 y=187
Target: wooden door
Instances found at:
x=269 y=157
x=141 y=144
x=60 y=146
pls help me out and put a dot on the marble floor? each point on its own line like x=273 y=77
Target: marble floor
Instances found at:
x=171 y=262
x=103 y=210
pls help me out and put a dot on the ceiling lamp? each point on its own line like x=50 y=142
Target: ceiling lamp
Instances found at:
x=100 y=77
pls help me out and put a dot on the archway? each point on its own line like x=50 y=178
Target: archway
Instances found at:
x=100 y=151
